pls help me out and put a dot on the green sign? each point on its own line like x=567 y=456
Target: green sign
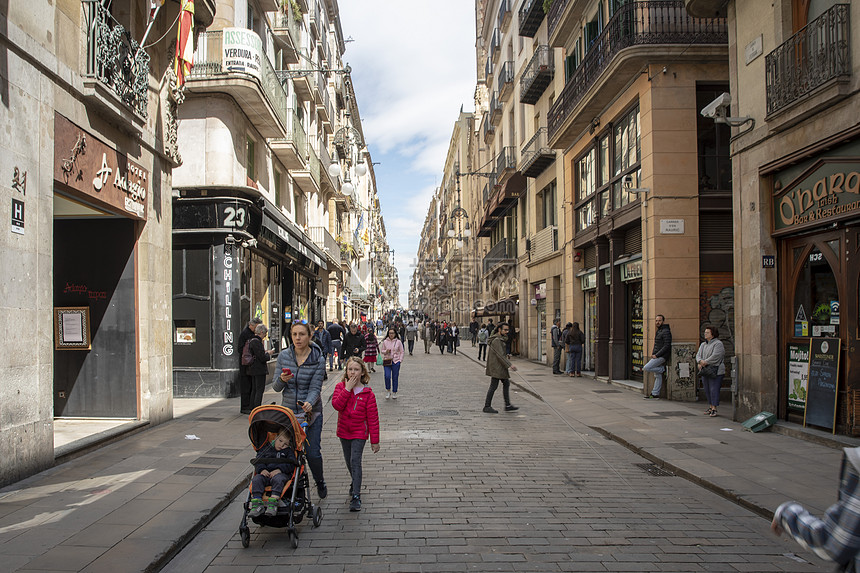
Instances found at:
x=798 y=375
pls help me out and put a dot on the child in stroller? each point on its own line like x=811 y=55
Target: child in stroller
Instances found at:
x=275 y=462
x=278 y=495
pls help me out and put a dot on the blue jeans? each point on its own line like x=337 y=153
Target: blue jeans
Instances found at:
x=314 y=450
x=574 y=358
x=656 y=365
x=712 y=389
x=392 y=371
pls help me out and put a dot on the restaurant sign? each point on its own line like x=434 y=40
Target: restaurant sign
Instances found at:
x=826 y=192
x=98 y=171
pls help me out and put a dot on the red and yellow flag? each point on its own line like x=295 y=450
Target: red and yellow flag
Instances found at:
x=185 y=41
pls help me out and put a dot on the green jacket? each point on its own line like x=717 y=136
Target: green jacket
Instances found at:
x=497 y=361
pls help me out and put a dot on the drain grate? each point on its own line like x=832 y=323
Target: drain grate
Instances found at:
x=673 y=414
x=223 y=452
x=208 y=419
x=607 y=391
x=209 y=461
x=654 y=470
x=438 y=412
x=202 y=472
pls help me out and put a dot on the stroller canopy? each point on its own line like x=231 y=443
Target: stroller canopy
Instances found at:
x=266 y=422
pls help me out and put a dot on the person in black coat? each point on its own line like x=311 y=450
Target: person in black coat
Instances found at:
x=353 y=343
x=245 y=380
x=259 y=369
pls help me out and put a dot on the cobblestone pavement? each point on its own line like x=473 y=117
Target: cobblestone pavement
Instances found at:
x=454 y=489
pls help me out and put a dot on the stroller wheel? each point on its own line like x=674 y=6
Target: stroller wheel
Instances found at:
x=245 y=534
x=294 y=538
x=316 y=515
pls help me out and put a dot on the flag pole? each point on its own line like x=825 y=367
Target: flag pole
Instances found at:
x=154 y=15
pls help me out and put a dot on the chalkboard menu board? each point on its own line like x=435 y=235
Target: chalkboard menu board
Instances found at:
x=823 y=382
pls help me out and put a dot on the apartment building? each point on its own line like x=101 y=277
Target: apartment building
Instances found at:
x=522 y=265
x=88 y=156
x=647 y=182
x=793 y=107
x=273 y=205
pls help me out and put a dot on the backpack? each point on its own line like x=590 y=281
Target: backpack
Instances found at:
x=247 y=356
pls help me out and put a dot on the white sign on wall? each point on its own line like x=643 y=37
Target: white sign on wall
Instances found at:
x=671 y=226
x=242 y=51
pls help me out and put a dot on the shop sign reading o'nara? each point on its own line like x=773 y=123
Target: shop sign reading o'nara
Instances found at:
x=826 y=192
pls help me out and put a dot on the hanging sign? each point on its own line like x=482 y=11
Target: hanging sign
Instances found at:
x=241 y=51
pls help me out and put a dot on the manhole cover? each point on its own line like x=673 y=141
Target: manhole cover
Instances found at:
x=195 y=472
x=607 y=391
x=654 y=470
x=684 y=446
x=438 y=412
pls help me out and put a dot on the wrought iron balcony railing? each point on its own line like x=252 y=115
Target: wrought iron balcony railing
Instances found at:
x=495 y=44
x=209 y=64
x=489 y=130
x=506 y=160
x=495 y=109
x=285 y=19
x=817 y=53
x=504 y=14
x=531 y=15
x=115 y=59
x=497 y=255
x=506 y=80
x=536 y=155
x=645 y=22
x=537 y=76
x=556 y=10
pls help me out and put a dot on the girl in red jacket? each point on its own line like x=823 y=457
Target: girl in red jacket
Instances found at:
x=357 y=418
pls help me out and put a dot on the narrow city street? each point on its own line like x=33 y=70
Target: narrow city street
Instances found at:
x=454 y=489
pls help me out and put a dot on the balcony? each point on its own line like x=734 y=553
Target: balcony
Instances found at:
x=323 y=101
x=287 y=32
x=308 y=179
x=325 y=241
x=506 y=162
x=117 y=70
x=488 y=130
x=504 y=14
x=358 y=291
x=303 y=83
x=544 y=243
x=817 y=55
x=536 y=155
x=537 y=76
x=497 y=256
x=488 y=70
x=257 y=91
x=292 y=149
x=315 y=19
x=563 y=20
x=495 y=45
x=627 y=43
x=329 y=184
x=530 y=17
x=495 y=109
x=506 y=81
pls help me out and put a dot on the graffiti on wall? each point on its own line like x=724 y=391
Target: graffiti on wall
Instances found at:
x=717 y=309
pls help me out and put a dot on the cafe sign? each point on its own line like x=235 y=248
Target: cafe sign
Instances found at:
x=92 y=168
x=826 y=192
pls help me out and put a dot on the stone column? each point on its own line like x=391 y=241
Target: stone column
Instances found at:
x=618 y=355
x=601 y=360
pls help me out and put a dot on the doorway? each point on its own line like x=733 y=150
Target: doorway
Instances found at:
x=635 y=331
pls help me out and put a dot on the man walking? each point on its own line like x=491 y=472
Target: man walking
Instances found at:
x=337 y=334
x=473 y=330
x=429 y=332
x=557 y=345
x=411 y=335
x=659 y=356
x=497 y=369
x=244 y=379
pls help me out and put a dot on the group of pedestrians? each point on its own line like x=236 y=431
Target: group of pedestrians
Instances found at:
x=568 y=343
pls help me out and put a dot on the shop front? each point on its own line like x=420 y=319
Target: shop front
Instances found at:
x=816 y=223
x=100 y=209
x=234 y=259
x=588 y=282
x=631 y=276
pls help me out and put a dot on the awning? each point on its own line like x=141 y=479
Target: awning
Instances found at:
x=293 y=236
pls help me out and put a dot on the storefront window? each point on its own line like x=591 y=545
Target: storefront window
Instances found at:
x=260 y=289
x=815 y=295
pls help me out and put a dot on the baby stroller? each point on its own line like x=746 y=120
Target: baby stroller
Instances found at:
x=265 y=423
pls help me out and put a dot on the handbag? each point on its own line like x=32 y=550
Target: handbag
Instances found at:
x=387 y=362
x=709 y=371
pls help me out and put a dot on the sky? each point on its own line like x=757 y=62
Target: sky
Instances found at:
x=413 y=67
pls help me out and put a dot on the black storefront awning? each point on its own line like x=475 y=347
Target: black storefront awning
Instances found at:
x=293 y=236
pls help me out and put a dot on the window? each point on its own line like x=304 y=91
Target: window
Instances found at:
x=585 y=176
x=251 y=161
x=545 y=207
x=277 y=188
x=715 y=164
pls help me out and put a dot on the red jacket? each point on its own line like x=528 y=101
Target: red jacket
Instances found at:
x=357 y=414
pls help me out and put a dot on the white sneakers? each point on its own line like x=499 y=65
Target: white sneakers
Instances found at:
x=387 y=395
x=394 y=396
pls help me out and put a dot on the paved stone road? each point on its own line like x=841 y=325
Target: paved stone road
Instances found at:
x=453 y=489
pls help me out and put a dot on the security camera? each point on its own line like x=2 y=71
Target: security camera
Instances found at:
x=627 y=182
x=718 y=107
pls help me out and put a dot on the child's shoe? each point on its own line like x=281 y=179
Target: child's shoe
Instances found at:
x=272 y=506
x=256 y=507
x=355 y=505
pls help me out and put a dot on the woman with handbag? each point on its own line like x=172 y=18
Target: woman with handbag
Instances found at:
x=709 y=360
x=370 y=348
x=392 y=355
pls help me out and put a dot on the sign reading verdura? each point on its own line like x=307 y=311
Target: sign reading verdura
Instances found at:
x=828 y=191
x=242 y=51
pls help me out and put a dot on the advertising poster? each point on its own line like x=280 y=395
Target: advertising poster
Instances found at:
x=798 y=375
